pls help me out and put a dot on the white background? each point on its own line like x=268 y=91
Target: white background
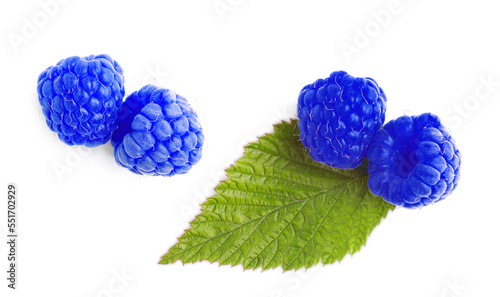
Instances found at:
x=242 y=69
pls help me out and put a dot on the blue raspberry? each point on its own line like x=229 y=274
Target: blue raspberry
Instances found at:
x=80 y=98
x=413 y=161
x=338 y=117
x=158 y=133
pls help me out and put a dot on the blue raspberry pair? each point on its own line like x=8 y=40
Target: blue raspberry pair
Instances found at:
x=413 y=161
x=155 y=132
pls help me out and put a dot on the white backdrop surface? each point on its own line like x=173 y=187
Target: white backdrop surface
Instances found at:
x=95 y=229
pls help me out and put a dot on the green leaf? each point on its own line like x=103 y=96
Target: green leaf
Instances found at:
x=279 y=207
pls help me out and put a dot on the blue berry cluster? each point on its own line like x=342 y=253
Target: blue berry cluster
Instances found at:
x=413 y=161
x=158 y=133
x=80 y=98
x=154 y=132
x=338 y=117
